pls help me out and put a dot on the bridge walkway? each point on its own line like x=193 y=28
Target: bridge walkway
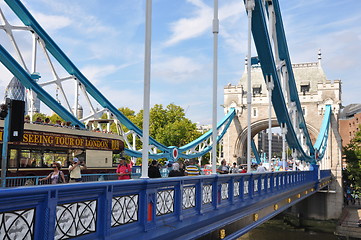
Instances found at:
x=177 y=208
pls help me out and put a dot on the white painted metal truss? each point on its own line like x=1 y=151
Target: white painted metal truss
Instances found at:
x=55 y=79
x=47 y=72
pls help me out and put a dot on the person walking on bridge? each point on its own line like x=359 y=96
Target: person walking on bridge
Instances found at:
x=223 y=169
x=56 y=176
x=75 y=170
x=153 y=170
x=192 y=169
x=124 y=170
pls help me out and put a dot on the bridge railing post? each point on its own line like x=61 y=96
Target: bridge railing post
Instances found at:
x=216 y=193
x=250 y=186
x=231 y=190
x=199 y=196
x=44 y=226
x=316 y=175
x=148 y=207
x=178 y=199
x=104 y=213
x=241 y=188
x=272 y=179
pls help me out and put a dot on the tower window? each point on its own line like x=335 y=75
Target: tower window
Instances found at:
x=305 y=87
x=254 y=112
x=257 y=89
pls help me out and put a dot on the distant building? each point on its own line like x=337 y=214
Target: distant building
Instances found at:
x=15 y=90
x=349 y=123
x=204 y=128
x=276 y=143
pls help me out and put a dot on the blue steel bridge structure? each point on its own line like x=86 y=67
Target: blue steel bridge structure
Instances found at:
x=187 y=208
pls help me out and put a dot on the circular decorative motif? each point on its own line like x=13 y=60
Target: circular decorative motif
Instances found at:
x=175 y=153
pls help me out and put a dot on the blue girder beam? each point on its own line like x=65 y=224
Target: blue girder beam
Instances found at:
x=265 y=54
x=21 y=11
x=25 y=78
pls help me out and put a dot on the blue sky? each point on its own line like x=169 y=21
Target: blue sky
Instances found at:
x=105 y=40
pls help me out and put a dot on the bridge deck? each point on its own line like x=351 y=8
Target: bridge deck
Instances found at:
x=184 y=207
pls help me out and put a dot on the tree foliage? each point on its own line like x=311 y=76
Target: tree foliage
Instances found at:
x=353 y=158
x=55 y=117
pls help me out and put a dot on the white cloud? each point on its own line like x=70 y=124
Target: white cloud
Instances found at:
x=177 y=69
x=95 y=73
x=201 y=20
x=52 y=22
x=186 y=28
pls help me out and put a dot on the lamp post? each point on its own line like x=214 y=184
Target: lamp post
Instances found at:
x=215 y=73
x=270 y=87
x=146 y=100
x=249 y=6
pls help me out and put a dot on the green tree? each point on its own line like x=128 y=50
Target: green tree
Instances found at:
x=55 y=117
x=42 y=116
x=352 y=152
x=168 y=126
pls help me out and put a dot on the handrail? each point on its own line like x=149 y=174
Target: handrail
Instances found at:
x=111 y=209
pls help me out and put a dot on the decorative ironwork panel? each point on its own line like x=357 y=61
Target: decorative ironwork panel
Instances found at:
x=275 y=181
x=75 y=219
x=207 y=194
x=255 y=184
x=189 y=197
x=165 y=202
x=224 y=191
x=279 y=180
x=17 y=224
x=236 y=189
x=124 y=209
x=245 y=187
x=262 y=184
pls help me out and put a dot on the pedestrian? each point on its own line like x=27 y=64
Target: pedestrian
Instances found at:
x=175 y=172
x=124 y=170
x=243 y=169
x=56 y=176
x=234 y=168
x=260 y=168
x=153 y=170
x=223 y=169
x=75 y=169
x=192 y=169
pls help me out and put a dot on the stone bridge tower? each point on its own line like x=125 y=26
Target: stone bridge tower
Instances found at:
x=315 y=91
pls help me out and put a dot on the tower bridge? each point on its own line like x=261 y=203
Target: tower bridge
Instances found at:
x=315 y=92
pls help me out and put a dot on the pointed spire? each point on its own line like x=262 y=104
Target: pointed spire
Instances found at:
x=319 y=58
x=245 y=64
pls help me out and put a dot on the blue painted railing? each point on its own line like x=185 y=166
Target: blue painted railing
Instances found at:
x=146 y=208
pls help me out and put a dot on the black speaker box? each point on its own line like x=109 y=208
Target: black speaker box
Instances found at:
x=16 y=128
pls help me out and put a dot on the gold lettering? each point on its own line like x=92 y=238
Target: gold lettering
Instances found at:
x=71 y=141
x=31 y=137
x=36 y=139
x=25 y=137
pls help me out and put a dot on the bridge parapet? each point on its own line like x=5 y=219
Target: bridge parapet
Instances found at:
x=150 y=208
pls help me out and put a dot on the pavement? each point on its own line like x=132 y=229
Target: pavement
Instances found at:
x=350 y=222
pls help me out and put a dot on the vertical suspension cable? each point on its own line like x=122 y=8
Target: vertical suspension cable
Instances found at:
x=249 y=7
x=146 y=100
x=215 y=65
x=270 y=89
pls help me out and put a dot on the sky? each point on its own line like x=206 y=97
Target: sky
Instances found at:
x=105 y=40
